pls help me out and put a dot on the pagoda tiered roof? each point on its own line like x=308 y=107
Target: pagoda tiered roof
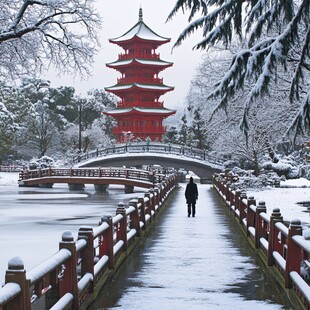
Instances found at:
x=137 y=110
x=138 y=86
x=161 y=64
x=141 y=31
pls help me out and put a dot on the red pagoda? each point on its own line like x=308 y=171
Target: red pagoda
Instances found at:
x=139 y=114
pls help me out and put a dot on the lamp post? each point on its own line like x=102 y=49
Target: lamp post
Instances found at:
x=80 y=127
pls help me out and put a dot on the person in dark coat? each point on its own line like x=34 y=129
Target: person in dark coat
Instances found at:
x=191 y=195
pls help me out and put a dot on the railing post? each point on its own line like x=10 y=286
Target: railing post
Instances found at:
x=249 y=217
x=106 y=242
x=148 y=204
x=142 y=210
x=242 y=206
x=231 y=194
x=87 y=254
x=122 y=228
x=17 y=274
x=156 y=196
x=160 y=194
x=135 y=221
x=258 y=222
x=274 y=218
x=236 y=201
x=163 y=190
x=152 y=199
x=69 y=281
x=293 y=254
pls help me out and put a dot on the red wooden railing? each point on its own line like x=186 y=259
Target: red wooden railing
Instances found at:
x=142 y=130
x=140 y=103
x=142 y=55
x=142 y=80
x=103 y=172
x=70 y=278
x=282 y=245
x=10 y=168
x=103 y=175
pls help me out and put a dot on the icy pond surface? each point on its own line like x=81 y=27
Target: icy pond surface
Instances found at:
x=32 y=220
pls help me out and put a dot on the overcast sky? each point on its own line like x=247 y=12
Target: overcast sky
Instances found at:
x=118 y=17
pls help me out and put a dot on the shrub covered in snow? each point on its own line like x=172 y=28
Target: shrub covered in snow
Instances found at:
x=263 y=180
x=282 y=168
x=243 y=179
x=44 y=162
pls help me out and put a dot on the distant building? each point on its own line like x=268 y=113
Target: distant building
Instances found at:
x=139 y=114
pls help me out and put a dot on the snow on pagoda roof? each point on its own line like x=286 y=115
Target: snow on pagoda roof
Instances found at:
x=140 y=110
x=142 y=31
x=159 y=62
x=144 y=86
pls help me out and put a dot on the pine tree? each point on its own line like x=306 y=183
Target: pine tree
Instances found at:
x=199 y=130
x=171 y=135
x=184 y=131
x=273 y=34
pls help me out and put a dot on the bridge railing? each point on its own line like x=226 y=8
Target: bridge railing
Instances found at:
x=109 y=172
x=282 y=245
x=155 y=147
x=10 y=168
x=72 y=277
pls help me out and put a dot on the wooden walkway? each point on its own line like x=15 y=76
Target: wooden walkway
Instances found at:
x=191 y=263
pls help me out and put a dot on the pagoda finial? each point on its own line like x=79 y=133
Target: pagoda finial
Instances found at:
x=140 y=15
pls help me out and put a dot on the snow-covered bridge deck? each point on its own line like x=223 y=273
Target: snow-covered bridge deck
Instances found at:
x=192 y=263
x=202 y=163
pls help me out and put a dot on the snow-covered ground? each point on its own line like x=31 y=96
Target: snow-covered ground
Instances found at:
x=292 y=198
x=8 y=178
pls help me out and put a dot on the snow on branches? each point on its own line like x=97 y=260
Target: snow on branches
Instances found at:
x=37 y=33
x=272 y=35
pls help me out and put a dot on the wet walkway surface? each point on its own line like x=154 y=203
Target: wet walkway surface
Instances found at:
x=192 y=263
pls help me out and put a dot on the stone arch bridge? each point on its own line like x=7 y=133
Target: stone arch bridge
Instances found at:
x=203 y=164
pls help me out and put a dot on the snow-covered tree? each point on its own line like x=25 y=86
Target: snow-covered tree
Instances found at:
x=40 y=134
x=171 y=135
x=184 y=131
x=7 y=129
x=40 y=33
x=39 y=125
x=274 y=35
x=199 y=130
x=88 y=116
x=268 y=120
x=37 y=119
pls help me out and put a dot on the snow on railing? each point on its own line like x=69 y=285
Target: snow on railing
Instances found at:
x=73 y=276
x=10 y=168
x=152 y=147
x=283 y=245
x=102 y=172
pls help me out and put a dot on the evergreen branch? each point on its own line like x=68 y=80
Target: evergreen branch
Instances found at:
x=298 y=74
x=302 y=119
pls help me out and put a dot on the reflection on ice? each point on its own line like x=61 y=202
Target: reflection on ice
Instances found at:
x=50 y=196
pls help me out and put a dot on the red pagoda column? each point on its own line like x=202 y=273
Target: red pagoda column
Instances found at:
x=139 y=113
